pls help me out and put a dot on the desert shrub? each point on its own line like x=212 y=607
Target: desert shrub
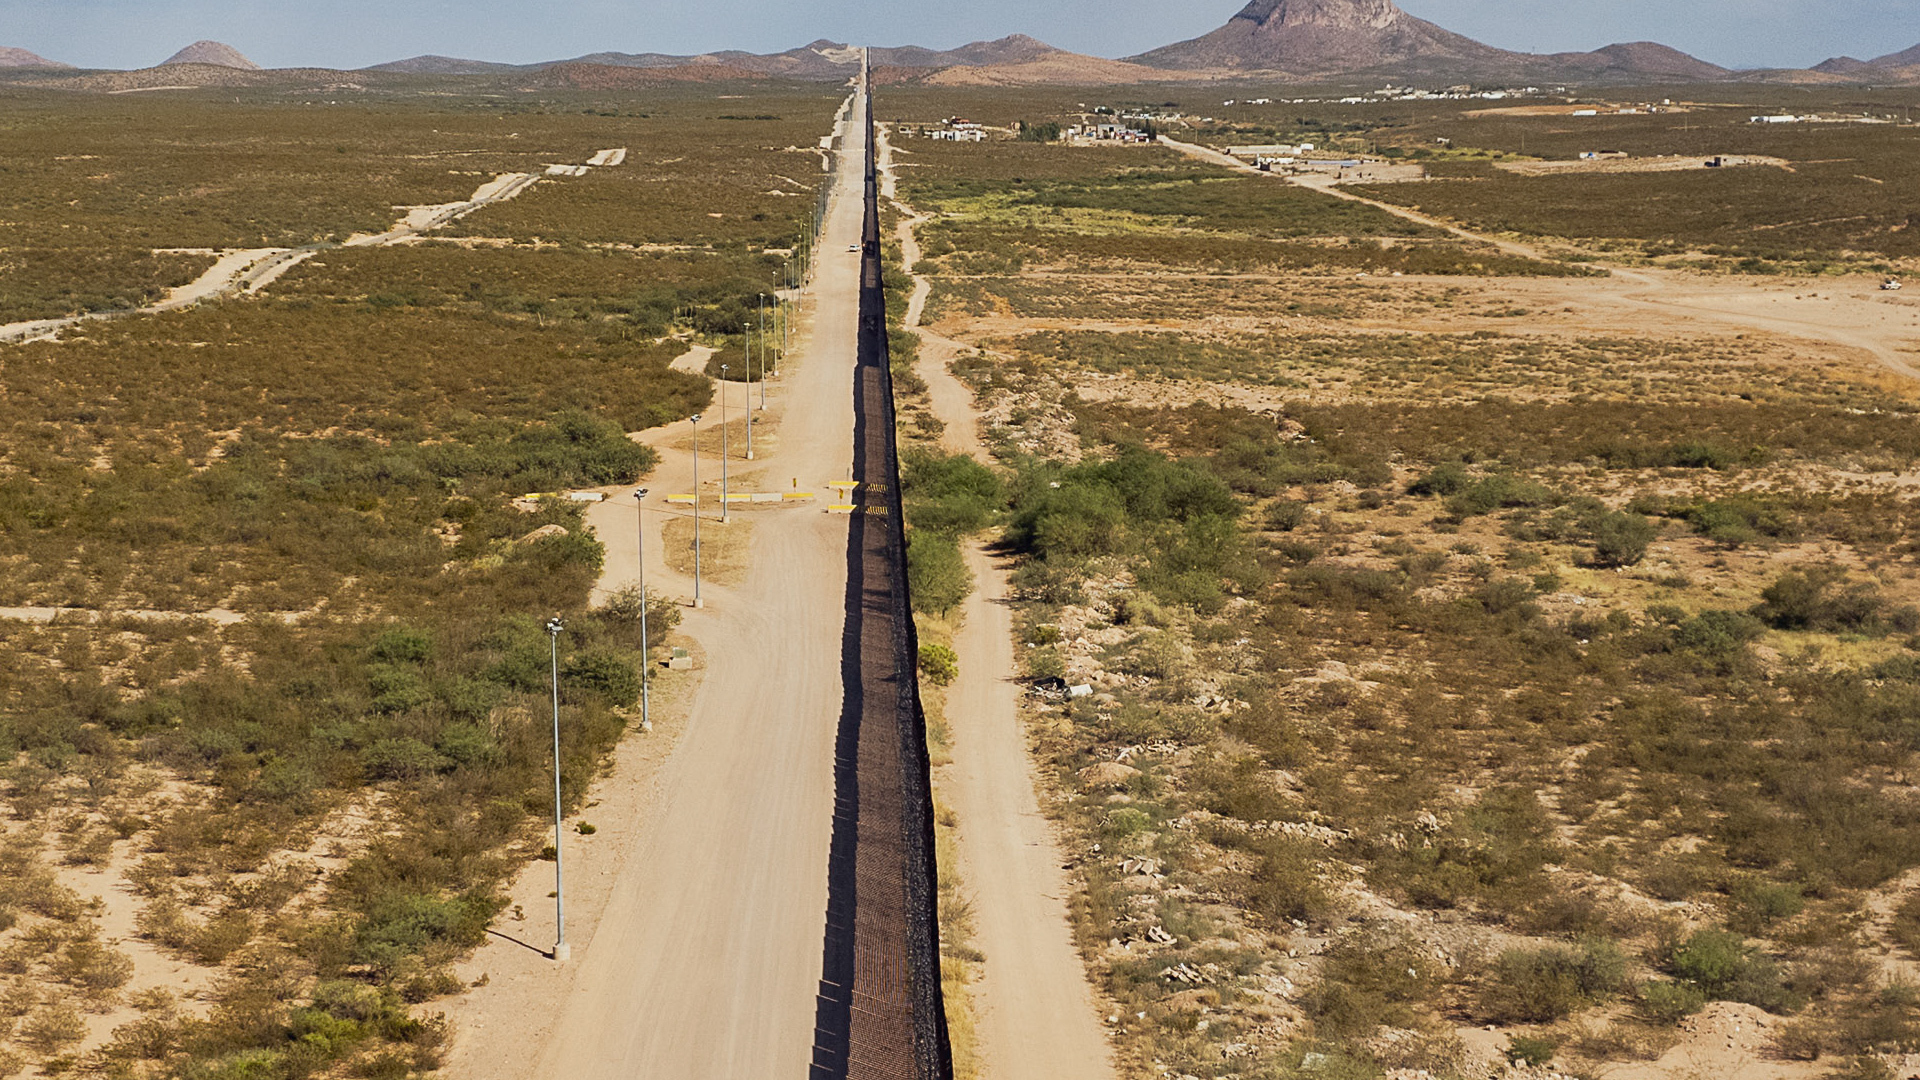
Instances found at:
x=1718 y=633
x=1820 y=599
x=1495 y=492
x=1287 y=883
x=1665 y=1002
x=53 y=1028
x=93 y=967
x=940 y=664
x=1723 y=966
x=609 y=674
x=1758 y=904
x=1368 y=980
x=938 y=578
x=404 y=758
x=1531 y=1049
x=1286 y=515
x=623 y=606
x=952 y=494
x=1446 y=478
x=1541 y=985
x=1620 y=538
x=411 y=924
x=1495 y=850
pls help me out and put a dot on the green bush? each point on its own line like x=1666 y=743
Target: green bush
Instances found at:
x=938 y=579
x=939 y=664
x=1666 y=1002
x=1620 y=539
x=1724 y=967
x=1541 y=985
x=1446 y=478
x=608 y=673
x=952 y=494
x=1531 y=1049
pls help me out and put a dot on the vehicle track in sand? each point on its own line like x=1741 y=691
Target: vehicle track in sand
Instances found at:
x=253 y=269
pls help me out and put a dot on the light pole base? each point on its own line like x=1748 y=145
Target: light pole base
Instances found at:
x=562 y=953
x=749 y=455
x=699 y=603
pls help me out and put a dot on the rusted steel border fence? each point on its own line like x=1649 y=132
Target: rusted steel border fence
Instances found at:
x=880 y=1013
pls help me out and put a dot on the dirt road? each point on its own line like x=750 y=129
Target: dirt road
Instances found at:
x=1850 y=313
x=253 y=269
x=952 y=400
x=704 y=957
x=1035 y=1010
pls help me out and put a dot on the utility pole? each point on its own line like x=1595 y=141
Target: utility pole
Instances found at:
x=561 y=950
x=763 y=370
x=646 y=669
x=725 y=452
x=697 y=602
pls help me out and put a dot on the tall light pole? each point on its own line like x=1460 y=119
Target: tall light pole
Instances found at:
x=763 y=377
x=646 y=669
x=697 y=602
x=561 y=950
x=763 y=371
x=725 y=452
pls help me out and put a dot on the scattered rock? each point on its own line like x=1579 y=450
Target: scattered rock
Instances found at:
x=544 y=532
x=1107 y=774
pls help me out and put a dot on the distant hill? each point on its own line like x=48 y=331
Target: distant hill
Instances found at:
x=443 y=65
x=211 y=52
x=1638 y=59
x=1319 y=39
x=21 y=58
x=1908 y=58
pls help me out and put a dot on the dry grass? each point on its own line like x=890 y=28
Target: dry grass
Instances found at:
x=724 y=548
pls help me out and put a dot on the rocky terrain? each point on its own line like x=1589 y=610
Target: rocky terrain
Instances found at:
x=1325 y=38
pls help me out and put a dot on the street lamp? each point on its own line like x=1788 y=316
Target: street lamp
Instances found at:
x=763 y=371
x=763 y=376
x=646 y=712
x=697 y=602
x=561 y=950
x=725 y=452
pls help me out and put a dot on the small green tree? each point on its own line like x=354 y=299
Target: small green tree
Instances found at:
x=939 y=664
x=1620 y=538
x=937 y=576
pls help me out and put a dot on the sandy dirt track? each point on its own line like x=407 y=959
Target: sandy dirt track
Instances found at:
x=1035 y=1009
x=703 y=956
x=253 y=269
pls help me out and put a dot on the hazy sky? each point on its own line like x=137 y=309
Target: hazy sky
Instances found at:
x=354 y=33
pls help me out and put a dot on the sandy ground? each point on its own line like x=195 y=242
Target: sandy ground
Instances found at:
x=1035 y=1009
x=1850 y=312
x=700 y=954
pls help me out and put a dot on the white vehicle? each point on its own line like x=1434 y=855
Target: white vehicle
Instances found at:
x=853 y=249
x=1890 y=285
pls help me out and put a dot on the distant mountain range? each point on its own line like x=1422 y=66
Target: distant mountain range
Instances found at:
x=1327 y=41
